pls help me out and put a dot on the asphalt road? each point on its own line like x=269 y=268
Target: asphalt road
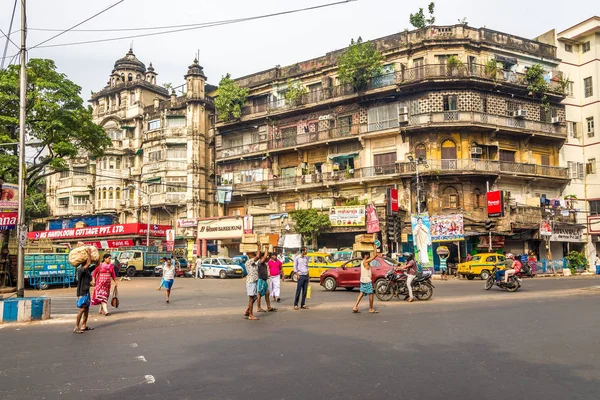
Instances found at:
x=531 y=346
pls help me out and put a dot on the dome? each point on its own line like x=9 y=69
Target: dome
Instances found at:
x=195 y=70
x=130 y=63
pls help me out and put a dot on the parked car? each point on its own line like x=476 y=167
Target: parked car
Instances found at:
x=480 y=265
x=348 y=274
x=317 y=264
x=222 y=267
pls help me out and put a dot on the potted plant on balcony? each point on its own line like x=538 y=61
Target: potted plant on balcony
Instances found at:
x=359 y=64
x=295 y=92
x=455 y=66
x=537 y=85
x=491 y=68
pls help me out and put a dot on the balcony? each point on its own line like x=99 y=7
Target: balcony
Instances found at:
x=74 y=209
x=168 y=198
x=154 y=166
x=506 y=123
x=174 y=135
x=75 y=181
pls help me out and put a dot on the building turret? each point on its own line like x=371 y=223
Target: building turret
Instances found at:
x=195 y=80
x=151 y=75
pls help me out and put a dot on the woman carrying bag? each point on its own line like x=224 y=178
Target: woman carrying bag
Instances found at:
x=101 y=279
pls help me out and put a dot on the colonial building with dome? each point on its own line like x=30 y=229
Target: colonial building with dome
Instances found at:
x=160 y=160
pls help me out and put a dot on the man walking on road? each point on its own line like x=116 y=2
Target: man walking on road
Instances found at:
x=301 y=269
x=84 y=281
x=251 y=283
x=275 y=276
x=366 y=284
x=199 y=272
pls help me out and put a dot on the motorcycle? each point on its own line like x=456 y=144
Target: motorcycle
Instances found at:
x=513 y=284
x=394 y=285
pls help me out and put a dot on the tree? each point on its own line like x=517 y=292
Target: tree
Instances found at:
x=295 y=91
x=309 y=223
x=537 y=84
x=57 y=122
x=230 y=99
x=418 y=19
x=359 y=64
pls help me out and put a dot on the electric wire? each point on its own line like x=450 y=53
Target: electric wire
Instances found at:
x=12 y=18
x=208 y=25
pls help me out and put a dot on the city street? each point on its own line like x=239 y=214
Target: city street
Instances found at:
x=466 y=342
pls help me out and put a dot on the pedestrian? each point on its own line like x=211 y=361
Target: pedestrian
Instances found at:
x=301 y=270
x=162 y=279
x=199 y=272
x=275 y=277
x=366 y=282
x=469 y=257
x=262 y=286
x=251 y=283
x=168 y=278
x=443 y=266
x=101 y=280
x=84 y=281
x=597 y=264
x=411 y=272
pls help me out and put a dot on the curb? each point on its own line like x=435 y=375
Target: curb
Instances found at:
x=24 y=309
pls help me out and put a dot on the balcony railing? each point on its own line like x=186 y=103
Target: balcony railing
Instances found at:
x=153 y=166
x=75 y=181
x=74 y=209
x=166 y=198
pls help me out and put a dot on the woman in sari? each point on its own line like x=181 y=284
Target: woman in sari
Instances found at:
x=102 y=277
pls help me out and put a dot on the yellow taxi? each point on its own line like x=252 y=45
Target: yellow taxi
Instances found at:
x=480 y=265
x=317 y=264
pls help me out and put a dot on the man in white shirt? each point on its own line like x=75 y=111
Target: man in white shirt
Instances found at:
x=199 y=272
x=168 y=278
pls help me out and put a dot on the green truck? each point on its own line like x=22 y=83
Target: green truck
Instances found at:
x=45 y=269
x=141 y=260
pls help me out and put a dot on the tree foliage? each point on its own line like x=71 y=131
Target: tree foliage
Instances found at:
x=359 y=64
x=230 y=99
x=576 y=261
x=418 y=19
x=57 y=122
x=309 y=223
x=295 y=91
x=537 y=84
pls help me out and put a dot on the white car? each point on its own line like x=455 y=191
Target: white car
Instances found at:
x=222 y=267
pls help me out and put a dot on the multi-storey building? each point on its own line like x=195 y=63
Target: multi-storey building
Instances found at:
x=473 y=120
x=578 y=47
x=160 y=159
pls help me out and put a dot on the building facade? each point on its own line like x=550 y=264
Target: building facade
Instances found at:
x=449 y=116
x=160 y=161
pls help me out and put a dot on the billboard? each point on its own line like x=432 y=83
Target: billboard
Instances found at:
x=545 y=228
x=8 y=220
x=447 y=228
x=223 y=228
x=187 y=223
x=495 y=203
x=421 y=235
x=347 y=216
x=108 y=230
x=372 y=219
x=392 y=201
x=9 y=196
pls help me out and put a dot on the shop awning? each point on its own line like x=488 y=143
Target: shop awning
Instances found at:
x=342 y=155
x=153 y=181
x=139 y=152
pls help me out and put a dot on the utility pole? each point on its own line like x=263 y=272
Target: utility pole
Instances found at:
x=418 y=193
x=21 y=228
x=487 y=189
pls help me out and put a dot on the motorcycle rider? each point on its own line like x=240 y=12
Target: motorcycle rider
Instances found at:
x=411 y=273
x=515 y=268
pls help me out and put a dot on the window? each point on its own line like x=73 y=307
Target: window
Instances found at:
x=155 y=188
x=590 y=126
x=507 y=155
x=585 y=47
x=383 y=117
x=254 y=175
x=385 y=77
x=155 y=156
x=110 y=193
x=572 y=129
x=176 y=184
x=477 y=198
x=591 y=166
x=154 y=124
x=450 y=197
x=103 y=194
x=138 y=77
x=491 y=259
x=118 y=194
x=568 y=47
x=450 y=103
x=576 y=170
x=594 y=206
x=175 y=122
x=289 y=206
x=115 y=134
x=64 y=174
x=545 y=159
x=178 y=153
x=117 y=162
x=131 y=193
x=570 y=90
x=64 y=202
x=345 y=124
x=80 y=200
x=129 y=77
x=414 y=107
x=420 y=151
x=384 y=163
x=418 y=64
x=588 y=90
x=288 y=172
x=111 y=163
x=105 y=163
x=375 y=263
x=79 y=171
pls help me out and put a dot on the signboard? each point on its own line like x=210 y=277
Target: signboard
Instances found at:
x=372 y=219
x=170 y=240
x=495 y=203
x=111 y=244
x=8 y=220
x=9 y=196
x=224 y=228
x=545 y=228
x=187 y=223
x=93 y=231
x=421 y=234
x=347 y=216
x=392 y=201
x=248 y=222
x=484 y=242
x=447 y=228
x=567 y=235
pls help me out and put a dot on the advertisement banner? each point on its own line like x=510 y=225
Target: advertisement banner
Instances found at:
x=187 y=223
x=545 y=228
x=223 y=228
x=111 y=244
x=392 y=201
x=447 y=228
x=484 y=242
x=9 y=196
x=421 y=234
x=248 y=223
x=567 y=235
x=92 y=231
x=170 y=240
x=8 y=220
x=347 y=216
x=495 y=203
x=372 y=219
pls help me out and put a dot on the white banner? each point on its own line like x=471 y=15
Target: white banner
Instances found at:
x=187 y=223
x=224 y=228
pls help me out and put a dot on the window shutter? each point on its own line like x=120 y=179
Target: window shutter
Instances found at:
x=580 y=171
x=572 y=169
x=218 y=140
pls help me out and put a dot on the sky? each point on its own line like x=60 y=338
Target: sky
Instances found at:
x=252 y=46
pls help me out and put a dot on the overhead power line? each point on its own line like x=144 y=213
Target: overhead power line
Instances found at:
x=12 y=18
x=190 y=27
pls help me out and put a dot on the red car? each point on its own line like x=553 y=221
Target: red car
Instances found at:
x=348 y=275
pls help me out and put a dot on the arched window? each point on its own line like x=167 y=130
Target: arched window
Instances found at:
x=118 y=163
x=110 y=193
x=420 y=151
x=450 y=198
x=104 y=194
x=111 y=163
x=118 y=194
x=131 y=193
x=448 y=154
x=477 y=198
x=129 y=78
x=138 y=77
x=104 y=163
x=122 y=77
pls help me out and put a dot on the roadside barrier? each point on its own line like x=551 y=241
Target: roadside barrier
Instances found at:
x=24 y=309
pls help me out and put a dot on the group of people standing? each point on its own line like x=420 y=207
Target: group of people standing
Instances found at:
x=263 y=280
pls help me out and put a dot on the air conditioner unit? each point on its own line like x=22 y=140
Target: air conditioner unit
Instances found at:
x=520 y=113
x=558 y=120
x=476 y=150
x=403 y=118
x=402 y=110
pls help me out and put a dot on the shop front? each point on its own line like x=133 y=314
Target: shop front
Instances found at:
x=566 y=238
x=225 y=232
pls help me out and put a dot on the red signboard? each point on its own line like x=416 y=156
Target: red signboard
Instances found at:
x=495 y=203
x=95 y=231
x=111 y=244
x=8 y=220
x=392 y=201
